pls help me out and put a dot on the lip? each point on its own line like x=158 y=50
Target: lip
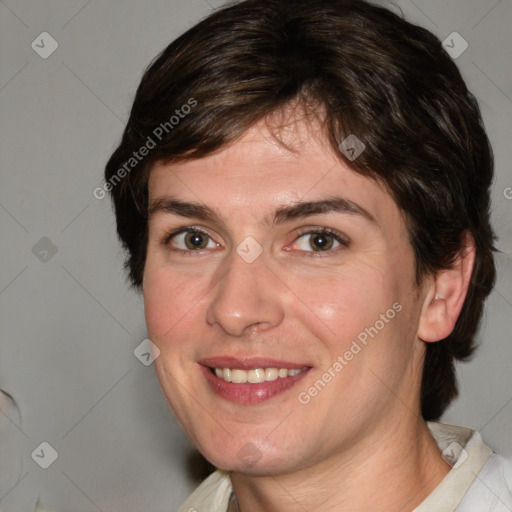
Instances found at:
x=250 y=394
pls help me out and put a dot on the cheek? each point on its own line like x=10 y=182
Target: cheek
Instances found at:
x=169 y=300
x=348 y=299
x=157 y=302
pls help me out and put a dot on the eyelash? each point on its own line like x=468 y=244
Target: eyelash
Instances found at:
x=341 y=239
x=187 y=229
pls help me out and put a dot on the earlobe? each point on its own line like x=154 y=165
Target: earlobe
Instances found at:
x=445 y=295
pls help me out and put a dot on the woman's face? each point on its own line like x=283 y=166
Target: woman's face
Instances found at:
x=291 y=271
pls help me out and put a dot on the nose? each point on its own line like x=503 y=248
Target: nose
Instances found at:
x=248 y=295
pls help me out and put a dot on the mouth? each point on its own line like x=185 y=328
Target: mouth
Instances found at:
x=251 y=381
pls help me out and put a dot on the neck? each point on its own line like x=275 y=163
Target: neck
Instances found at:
x=394 y=469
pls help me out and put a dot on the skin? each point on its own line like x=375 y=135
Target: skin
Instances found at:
x=360 y=443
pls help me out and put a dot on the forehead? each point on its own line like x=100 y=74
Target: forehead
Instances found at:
x=265 y=169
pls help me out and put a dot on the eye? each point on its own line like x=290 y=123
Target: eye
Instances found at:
x=189 y=239
x=320 y=240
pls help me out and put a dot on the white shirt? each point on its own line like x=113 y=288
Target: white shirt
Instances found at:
x=479 y=481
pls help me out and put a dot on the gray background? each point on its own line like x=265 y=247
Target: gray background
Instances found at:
x=69 y=322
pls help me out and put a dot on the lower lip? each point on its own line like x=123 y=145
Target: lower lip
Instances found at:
x=250 y=394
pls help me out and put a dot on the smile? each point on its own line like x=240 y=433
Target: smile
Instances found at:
x=256 y=375
x=251 y=381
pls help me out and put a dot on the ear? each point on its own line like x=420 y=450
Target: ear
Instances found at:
x=446 y=293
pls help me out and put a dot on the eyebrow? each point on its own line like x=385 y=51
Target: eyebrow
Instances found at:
x=298 y=210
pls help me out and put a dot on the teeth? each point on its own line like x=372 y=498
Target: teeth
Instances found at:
x=255 y=376
x=238 y=376
x=271 y=374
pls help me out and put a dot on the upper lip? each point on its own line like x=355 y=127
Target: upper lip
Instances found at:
x=249 y=363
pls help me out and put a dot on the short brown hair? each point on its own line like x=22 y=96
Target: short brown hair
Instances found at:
x=376 y=76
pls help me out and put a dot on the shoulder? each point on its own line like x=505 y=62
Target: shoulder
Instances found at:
x=491 y=490
x=480 y=480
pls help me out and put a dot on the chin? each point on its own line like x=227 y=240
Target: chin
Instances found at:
x=251 y=459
